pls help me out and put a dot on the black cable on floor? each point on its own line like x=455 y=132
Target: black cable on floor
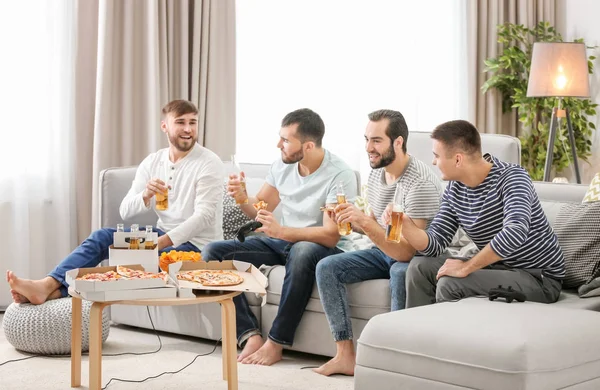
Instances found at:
x=163 y=373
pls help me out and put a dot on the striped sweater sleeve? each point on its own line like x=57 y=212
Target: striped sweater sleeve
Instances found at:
x=517 y=193
x=442 y=228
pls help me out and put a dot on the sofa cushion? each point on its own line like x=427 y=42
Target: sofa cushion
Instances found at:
x=593 y=192
x=233 y=216
x=366 y=299
x=576 y=227
x=478 y=344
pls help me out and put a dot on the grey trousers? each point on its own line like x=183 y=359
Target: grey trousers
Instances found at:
x=422 y=288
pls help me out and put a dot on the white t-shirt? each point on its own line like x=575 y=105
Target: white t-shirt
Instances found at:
x=195 y=211
x=302 y=196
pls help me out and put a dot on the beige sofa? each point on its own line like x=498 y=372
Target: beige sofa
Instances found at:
x=366 y=299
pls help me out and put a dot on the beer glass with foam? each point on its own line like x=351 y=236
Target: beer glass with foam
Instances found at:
x=162 y=199
x=394 y=229
x=343 y=228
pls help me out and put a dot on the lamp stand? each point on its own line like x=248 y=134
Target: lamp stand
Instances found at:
x=556 y=114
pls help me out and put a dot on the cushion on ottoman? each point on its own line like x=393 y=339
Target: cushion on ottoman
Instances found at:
x=475 y=343
x=46 y=329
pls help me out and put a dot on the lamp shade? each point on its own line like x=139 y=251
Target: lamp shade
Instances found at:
x=558 y=69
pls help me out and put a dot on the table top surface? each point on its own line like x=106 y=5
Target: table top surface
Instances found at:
x=202 y=296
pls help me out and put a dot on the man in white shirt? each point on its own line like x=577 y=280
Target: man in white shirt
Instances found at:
x=193 y=216
x=300 y=183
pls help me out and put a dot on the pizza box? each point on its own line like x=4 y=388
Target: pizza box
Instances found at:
x=147 y=258
x=113 y=285
x=254 y=280
x=167 y=291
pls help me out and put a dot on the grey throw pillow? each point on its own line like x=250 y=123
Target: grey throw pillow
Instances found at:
x=577 y=228
x=233 y=216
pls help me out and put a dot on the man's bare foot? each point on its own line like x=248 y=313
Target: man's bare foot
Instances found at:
x=34 y=291
x=252 y=345
x=18 y=298
x=338 y=365
x=266 y=355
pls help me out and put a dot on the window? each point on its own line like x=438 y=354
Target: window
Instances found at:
x=345 y=59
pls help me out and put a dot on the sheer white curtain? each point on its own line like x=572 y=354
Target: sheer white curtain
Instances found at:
x=344 y=59
x=36 y=158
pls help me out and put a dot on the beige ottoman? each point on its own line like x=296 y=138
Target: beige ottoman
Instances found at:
x=478 y=344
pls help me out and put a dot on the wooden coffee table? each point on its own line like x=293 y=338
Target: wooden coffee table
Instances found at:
x=229 y=340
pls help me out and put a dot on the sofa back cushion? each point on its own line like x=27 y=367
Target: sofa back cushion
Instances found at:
x=576 y=227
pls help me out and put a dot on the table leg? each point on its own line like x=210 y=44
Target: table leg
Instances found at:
x=75 y=342
x=95 y=338
x=229 y=344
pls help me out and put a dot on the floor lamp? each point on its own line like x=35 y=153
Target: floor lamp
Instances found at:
x=559 y=69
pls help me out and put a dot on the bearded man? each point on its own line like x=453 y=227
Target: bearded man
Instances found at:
x=303 y=180
x=192 y=219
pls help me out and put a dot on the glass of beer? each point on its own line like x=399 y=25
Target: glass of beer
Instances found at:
x=134 y=240
x=393 y=232
x=162 y=199
x=343 y=228
x=236 y=170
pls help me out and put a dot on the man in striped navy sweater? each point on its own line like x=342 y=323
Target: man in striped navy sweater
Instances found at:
x=496 y=205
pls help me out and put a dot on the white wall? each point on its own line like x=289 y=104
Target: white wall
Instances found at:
x=576 y=19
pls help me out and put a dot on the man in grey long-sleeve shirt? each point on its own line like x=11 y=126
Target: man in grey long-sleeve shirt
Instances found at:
x=496 y=205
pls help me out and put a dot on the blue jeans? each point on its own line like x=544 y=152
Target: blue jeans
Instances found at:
x=334 y=272
x=300 y=260
x=93 y=250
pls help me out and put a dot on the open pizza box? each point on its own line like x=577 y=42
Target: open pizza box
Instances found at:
x=120 y=289
x=254 y=280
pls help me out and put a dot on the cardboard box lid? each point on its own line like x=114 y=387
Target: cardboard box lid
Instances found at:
x=120 y=284
x=167 y=291
x=254 y=280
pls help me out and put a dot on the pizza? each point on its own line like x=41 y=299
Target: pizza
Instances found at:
x=208 y=277
x=136 y=274
x=260 y=205
x=101 y=276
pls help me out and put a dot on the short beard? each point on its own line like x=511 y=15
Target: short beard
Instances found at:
x=294 y=158
x=175 y=142
x=387 y=158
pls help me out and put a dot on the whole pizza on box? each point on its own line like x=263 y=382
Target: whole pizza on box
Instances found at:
x=211 y=277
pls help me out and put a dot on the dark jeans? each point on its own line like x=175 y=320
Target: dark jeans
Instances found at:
x=93 y=250
x=300 y=260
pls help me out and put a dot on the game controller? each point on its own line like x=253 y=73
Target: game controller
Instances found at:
x=507 y=293
x=246 y=229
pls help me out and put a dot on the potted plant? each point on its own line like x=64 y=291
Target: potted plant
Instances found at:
x=510 y=74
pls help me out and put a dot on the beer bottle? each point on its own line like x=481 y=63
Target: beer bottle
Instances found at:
x=134 y=241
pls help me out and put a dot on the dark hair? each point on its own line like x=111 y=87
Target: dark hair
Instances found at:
x=458 y=134
x=396 y=126
x=310 y=125
x=179 y=108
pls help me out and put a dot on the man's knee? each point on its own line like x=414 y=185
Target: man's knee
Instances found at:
x=328 y=267
x=104 y=235
x=215 y=250
x=448 y=289
x=398 y=270
x=419 y=267
x=304 y=256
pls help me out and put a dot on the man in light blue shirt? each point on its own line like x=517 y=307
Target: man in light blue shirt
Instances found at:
x=304 y=180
